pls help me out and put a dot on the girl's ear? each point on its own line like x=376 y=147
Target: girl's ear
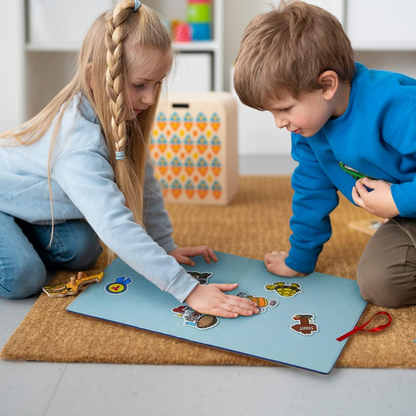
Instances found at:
x=88 y=74
x=329 y=82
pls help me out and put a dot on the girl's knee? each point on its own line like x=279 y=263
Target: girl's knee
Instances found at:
x=25 y=279
x=84 y=254
x=85 y=258
x=76 y=247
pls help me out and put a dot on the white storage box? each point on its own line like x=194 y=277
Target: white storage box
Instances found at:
x=53 y=22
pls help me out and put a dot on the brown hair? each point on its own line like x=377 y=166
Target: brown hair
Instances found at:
x=101 y=75
x=286 y=50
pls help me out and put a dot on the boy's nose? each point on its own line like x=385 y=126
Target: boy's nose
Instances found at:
x=280 y=122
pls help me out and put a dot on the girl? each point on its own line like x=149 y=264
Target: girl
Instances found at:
x=79 y=172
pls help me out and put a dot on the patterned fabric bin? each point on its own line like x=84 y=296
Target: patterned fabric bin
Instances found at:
x=194 y=147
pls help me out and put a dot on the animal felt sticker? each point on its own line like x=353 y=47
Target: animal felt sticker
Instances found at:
x=195 y=319
x=262 y=302
x=285 y=290
x=119 y=286
x=201 y=277
x=306 y=324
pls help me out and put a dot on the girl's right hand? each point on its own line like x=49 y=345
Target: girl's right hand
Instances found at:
x=211 y=299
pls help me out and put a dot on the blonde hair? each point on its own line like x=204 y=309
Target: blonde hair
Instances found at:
x=285 y=51
x=101 y=75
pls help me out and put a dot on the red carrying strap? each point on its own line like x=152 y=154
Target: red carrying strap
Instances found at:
x=361 y=327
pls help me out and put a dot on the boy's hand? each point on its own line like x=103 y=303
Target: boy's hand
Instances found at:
x=379 y=201
x=275 y=263
x=211 y=300
x=182 y=254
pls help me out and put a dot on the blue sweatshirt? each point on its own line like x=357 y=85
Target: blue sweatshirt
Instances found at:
x=83 y=186
x=376 y=136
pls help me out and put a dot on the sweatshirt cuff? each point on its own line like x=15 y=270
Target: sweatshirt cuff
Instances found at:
x=404 y=197
x=166 y=243
x=301 y=261
x=182 y=286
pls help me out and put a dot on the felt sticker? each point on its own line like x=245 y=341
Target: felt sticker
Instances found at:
x=119 y=286
x=306 y=324
x=195 y=319
x=202 y=277
x=284 y=290
x=262 y=302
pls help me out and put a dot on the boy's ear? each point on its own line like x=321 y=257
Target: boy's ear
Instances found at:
x=329 y=82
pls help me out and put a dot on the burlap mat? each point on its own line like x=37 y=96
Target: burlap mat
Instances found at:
x=255 y=223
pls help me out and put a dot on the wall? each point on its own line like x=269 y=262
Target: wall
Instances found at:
x=12 y=63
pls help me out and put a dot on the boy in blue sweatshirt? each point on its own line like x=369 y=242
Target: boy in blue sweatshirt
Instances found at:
x=298 y=63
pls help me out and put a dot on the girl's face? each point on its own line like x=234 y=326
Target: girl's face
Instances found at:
x=147 y=67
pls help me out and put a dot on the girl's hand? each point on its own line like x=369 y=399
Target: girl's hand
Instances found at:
x=211 y=300
x=182 y=254
x=275 y=263
x=379 y=201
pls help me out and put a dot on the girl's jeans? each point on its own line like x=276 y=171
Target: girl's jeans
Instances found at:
x=24 y=257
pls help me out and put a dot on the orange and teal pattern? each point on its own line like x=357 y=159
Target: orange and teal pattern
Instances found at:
x=188 y=155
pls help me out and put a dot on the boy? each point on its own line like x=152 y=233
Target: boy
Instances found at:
x=297 y=63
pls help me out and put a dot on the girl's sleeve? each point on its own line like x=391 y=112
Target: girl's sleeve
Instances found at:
x=315 y=197
x=87 y=178
x=156 y=218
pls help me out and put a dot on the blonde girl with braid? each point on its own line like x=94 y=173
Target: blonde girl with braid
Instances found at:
x=78 y=173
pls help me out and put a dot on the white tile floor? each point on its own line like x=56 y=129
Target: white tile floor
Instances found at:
x=50 y=389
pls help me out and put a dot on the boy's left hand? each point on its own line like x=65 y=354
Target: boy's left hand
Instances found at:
x=379 y=201
x=183 y=254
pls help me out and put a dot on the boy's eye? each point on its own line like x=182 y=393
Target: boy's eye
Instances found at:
x=284 y=110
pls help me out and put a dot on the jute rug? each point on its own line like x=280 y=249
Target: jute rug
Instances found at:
x=255 y=223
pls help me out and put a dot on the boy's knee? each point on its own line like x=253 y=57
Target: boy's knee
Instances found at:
x=381 y=287
x=25 y=279
x=386 y=273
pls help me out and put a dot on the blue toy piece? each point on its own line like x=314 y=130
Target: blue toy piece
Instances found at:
x=200 y=31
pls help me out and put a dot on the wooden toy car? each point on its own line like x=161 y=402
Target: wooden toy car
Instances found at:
x=77 y=283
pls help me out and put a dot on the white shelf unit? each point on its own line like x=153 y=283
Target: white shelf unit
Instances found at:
x=176 y=10
x=382 y=32
x=54 y=40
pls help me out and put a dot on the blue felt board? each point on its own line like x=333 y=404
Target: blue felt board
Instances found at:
x=334 y=302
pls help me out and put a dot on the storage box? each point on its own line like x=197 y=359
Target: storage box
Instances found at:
x=62 y=23
x=191 y=72
x=194 y=147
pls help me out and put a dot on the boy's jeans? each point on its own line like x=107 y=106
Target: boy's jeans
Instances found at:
x=386 y=273
x=24 y=257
